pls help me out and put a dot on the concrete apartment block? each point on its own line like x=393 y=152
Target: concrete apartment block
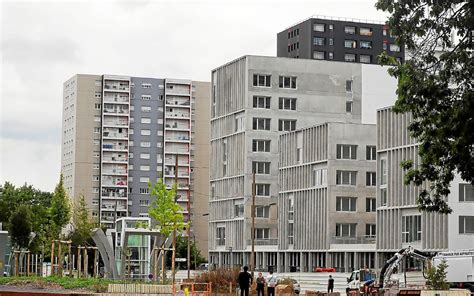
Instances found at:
x=326 y=201
x=399 y=222
x=122 y=132
x=254 y=100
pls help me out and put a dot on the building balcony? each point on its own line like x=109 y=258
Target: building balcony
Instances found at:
x=112 y=135
x=263 y=242
x=177 y=115
x=181 y=90
x=346 y=240
x=115 y=172
x=116 y=123
x=178 y=139
x=116 y=111
x=179 y=104
x=119 y=183
x=114 y=147
x=114 y=159
x=122 y=87
x=113 y=195
x=177 y=151
x=117 y=99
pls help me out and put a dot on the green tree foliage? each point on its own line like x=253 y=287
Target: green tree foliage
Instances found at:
x=436 y=277
x=60 y=210
x=182 y=252
x=164 y=210
x=436 y=87
x=20 y=227
x=82 y=223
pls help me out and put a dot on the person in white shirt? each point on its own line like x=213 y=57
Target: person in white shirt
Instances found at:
x=272 y=281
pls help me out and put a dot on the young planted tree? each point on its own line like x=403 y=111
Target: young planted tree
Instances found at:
x=20 y=227
x=436 y=277
x=435 y=86
x=167 y=213
x=83 y=223
x=60 y=210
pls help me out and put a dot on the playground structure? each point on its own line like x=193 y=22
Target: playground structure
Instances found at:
x=26 y=264
x=73 y=263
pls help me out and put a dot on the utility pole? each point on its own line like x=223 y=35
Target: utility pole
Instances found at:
x=188 y=207
x=252 y=254
x=173 y=257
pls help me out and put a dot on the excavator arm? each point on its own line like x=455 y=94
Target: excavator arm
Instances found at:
x=394 y=262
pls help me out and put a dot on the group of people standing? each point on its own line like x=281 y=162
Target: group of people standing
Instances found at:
x=245 y=280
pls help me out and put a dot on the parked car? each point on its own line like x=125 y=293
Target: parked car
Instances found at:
x=204 y=266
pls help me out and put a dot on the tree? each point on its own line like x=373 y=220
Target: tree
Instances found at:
x=82 y=223
x=436 y=87
x=60 y=210
x=166 y=212
x=20 y=227
x=182 y=252
x=436 y=277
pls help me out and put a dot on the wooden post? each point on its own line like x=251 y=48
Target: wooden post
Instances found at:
x=17 y=263
x=155 y=267
x=60 y=260
x=52 y=257
x=70 y=258
x=163 y=272
x=79 y=261
x=85 y=263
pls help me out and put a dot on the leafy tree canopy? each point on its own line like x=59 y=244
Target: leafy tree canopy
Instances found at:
x=83 y=224
x=60 y=210
x=20 y=226
x=435 y=85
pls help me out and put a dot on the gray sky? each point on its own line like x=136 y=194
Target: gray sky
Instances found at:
x=45 y=43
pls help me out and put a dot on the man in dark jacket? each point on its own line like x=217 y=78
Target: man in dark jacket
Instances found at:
x=245 y=280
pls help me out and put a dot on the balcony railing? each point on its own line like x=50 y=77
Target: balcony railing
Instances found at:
x=116 y=111
x=116 y=87
x=263 y=242
x=118 y=159
x=112 y=194
x=178 y=103
x=178 y=115
x=115 y=147
x=115 y=135
x=116 y=99
x=177 y=138
x=116 y=122
x=115 y=172
x=366 y=239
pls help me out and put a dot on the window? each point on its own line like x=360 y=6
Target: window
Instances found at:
x=130 y=155
x=466 y=192
x=384 y=32
x=331 y=27
x=365 y=44
x=239 y=210
x=261 y=124
x=145 y=132
x=144 y=168
x=394 y=47
x=346 y=151
x=318 y=55
x=261 y=102
x=262 y=80
x=145 y=155
x=466 y=224
x=370 y=179
x=146 y=109
x=146 y=85
x=97 y=106
x=320 y=177
x=349 y=30
x=261 y=145
x=287 y=104
x=239 y=123
x=262 y=189
x=144 y=191
x=349 y=85
x=411 y=228
x=220 y=236
x=97 y=95
x=146 y=97
x=262 y=233
x=95 y=166
x=287 y=82
x=346 y=204
x=260 y=167
x=262 y=211
x=318 y=40
x=285 y=125
x=350 y=44
x=366 y=59
x=96 y=142
x=349 y=57
x=146 y=120
x=384 y=46
x=97 y=130
x=346 y=177
x=330 y=55
x=383 y=170
x=365 y=31
x=318 y=27
x=370 y=230
x=97 y=118
x=349 y=105
x=370 y=204
x=383 y=196
x=95 y=190
x=145 y=144
x=144 y=202
x=144 y=179
x=95 y=178
x=290 y=232
x=331 y=41
x=346 y=230
x=370 y=152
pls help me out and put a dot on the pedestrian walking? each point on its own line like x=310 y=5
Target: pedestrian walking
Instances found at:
x=260 y=284
x=272 y=282
x=244 y=280
x=330 y=284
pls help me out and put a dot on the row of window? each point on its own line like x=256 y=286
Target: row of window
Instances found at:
x=321 y=41
x=284 y=125
x=350 y=178
x=264 y=102
x=293 y=33
x=344 y=151
x=349 y=204
x=350 y=30
x=260 y=211
x=293 y=46
x=350 y=230
x=265 y=80
x=348 y=57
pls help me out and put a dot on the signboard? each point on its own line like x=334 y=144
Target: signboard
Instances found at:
x=180 y=259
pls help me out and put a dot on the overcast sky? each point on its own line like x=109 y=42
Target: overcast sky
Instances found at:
x=45 y=43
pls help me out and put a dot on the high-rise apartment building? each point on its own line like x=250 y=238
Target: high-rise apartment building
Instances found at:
x=338 y=39
x=122 y=132
x=399 y=222
x=327 y=197
x=254 y=100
